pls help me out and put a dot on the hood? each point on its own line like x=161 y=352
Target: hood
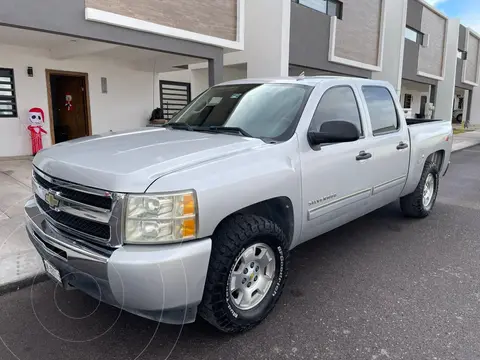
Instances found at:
x=131 y=161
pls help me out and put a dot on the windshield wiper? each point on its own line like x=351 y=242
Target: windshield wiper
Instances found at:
x=226 y=129
x=180 y=126
x=218 y=129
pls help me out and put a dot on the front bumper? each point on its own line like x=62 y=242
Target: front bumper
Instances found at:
x=160 y=282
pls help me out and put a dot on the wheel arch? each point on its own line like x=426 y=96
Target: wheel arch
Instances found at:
x=437 y=157
x=416 y=170
x=278 y=209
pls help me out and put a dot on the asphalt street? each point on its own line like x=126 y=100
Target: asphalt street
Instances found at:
x=381 y=287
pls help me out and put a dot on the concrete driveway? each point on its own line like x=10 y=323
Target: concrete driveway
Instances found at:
x=18 y=259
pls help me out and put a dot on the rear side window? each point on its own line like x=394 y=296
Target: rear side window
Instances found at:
x=338 y=103
x=383 y=114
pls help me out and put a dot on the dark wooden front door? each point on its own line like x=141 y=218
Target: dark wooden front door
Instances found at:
x=70 y=122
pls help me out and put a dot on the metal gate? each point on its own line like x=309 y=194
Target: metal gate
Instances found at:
x=174 y=96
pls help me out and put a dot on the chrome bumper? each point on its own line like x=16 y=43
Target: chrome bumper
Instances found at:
x=164 y=282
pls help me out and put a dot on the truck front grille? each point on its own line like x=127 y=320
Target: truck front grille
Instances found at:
x=75 y=223
x=82 y=197
x=85 y=213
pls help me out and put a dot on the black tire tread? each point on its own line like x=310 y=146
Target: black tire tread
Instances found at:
x=228 y=240
x=411 y=204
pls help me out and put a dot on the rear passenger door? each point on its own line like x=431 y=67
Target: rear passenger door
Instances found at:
x=390 y=144
x=336 y=181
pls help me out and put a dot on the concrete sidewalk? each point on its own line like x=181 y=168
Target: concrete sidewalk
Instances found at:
x=18 y=259
x=465 y=140
x=20 y=265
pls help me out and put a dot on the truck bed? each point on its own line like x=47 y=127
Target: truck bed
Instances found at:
x=420 y=121
x=427 y=137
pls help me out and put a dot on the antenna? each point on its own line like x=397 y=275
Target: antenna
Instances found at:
x=302 y=74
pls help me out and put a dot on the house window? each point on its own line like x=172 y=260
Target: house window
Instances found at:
x=8 y=104
x=329 y=7
x=174 y=96
x=462 y=55
x=407 y=101
x=414 y=35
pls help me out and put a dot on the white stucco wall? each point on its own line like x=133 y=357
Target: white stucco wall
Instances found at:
x=416 y=98
x=267 y=37
x=128 y=103
x=475 y=109
x=267 y=40
x=394 y=43
x=446 y=87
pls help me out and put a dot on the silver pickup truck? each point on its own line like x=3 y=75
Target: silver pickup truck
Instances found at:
x=199 y=215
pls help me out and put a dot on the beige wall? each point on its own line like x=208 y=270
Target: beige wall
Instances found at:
x=431 y=57
x=209 y=17
x=471 y=71
x=358 y=33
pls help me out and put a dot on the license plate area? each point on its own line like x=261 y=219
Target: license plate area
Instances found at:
x=52 y=271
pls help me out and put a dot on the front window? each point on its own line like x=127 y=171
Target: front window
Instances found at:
x=329 y=7
x=414 y=35
x=266 y=111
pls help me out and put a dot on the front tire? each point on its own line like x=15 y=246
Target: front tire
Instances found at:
x=459 y=119
x=238 y=296
x=420 y=203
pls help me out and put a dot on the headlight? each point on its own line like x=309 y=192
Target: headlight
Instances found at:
x=160 y=218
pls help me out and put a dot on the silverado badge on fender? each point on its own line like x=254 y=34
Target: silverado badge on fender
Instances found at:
x=325 y=198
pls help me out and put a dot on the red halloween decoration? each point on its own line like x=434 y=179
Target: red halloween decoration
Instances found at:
x=36 y=118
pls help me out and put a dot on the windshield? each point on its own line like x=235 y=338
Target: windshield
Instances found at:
x=259 y=110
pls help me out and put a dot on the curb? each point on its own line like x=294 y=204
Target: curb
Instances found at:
x=23 y=283
x=466 y=147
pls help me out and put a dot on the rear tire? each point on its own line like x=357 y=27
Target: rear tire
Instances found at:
x=420 y=203
x=459 y=119
x=231 y=241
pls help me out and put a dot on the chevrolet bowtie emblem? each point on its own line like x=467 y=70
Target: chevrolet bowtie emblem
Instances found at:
x=51 y=200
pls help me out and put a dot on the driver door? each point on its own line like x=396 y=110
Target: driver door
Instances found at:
x=336 y=182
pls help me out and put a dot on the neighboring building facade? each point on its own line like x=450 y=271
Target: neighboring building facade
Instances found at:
x=467 y=72
x=424 y=57
x=106 y=55
x=405 y=42
x=324 y=41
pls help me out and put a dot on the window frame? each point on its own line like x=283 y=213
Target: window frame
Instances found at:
x=338 y=3
x=462 y=54
x=420 y=37
x=10 y=73
x=405 y=99
x=362 y=127
x=461 y=101
x=399 y=123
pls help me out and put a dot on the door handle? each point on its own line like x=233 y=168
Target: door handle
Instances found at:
x=363 y=156
x=402 y=145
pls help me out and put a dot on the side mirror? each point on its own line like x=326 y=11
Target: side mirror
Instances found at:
x=334 y=132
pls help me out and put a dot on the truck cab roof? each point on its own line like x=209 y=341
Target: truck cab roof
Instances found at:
x=306 y=80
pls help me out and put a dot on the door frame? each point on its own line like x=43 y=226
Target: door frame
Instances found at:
x=88 y=114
